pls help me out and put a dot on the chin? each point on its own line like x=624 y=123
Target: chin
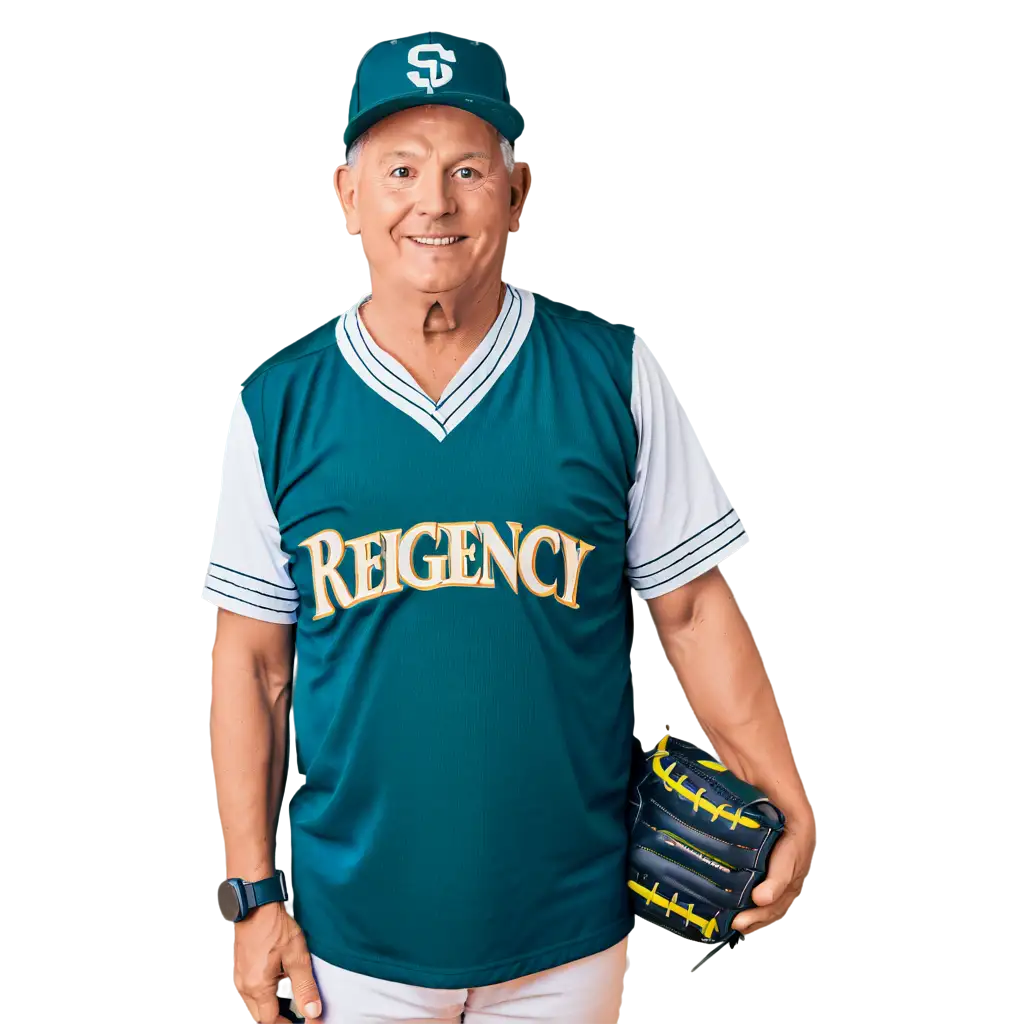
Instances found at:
x=440 y=280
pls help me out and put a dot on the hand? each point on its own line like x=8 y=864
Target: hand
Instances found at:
x=269 y=945
x=788 y=864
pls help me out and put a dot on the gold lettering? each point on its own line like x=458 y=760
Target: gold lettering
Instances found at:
x=392 y=584
x=528 y=559
x=394 y=558
x=458 y=553
x=574 y=551
x=494 y=547
x=365 y=562
x=436 y=562
x=325 y=570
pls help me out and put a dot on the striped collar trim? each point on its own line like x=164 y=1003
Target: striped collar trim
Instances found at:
x=384 y=374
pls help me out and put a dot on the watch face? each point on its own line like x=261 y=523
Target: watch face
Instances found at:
x=227 y=898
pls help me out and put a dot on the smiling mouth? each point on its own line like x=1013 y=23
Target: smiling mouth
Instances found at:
x=436 y=241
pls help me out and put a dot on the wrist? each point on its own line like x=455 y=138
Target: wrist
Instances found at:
x=250 y=870
x=262 y=913
x=250 y=865
x=799 y=818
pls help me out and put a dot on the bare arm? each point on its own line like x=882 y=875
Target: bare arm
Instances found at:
x=709 y=645
x=252 y=675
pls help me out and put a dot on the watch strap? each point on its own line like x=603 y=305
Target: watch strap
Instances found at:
x=267 y=890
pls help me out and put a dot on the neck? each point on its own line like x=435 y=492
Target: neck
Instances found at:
x=400 y=316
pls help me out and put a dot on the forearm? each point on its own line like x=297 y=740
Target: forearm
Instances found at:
x=720 y=669
x=249 y=741
x=756 y=746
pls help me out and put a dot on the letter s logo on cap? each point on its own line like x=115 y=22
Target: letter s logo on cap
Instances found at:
x=440 y=74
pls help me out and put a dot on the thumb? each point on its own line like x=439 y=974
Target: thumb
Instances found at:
x=781 y=868
x=298 y=965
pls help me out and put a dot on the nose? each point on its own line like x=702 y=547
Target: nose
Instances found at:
x=434 y=194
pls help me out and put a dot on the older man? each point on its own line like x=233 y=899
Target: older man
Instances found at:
x=440 y=500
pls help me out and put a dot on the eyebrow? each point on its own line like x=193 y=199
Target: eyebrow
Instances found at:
x=396 y=152
x=408 y=154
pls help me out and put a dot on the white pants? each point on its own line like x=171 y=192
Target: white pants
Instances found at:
x=584 y=991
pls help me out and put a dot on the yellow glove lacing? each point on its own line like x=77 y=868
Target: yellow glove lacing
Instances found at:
x=697 y=798
x=707 y=927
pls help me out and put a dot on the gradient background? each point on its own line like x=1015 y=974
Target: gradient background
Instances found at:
x=163 y=220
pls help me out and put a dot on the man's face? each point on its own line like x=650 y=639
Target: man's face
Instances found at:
x=432 y=171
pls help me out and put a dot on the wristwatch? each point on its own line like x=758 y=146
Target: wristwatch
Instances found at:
x=237 y=897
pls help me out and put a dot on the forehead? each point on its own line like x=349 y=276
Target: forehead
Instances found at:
x=432 y=127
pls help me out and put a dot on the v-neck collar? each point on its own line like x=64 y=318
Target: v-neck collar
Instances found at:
x=385 y=375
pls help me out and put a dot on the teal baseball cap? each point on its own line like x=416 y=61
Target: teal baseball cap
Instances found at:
x=432 y=67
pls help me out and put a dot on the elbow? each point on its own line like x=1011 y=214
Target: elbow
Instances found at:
x=678 y=614
x=276 y=679
x=254 y=647
x=703 y=612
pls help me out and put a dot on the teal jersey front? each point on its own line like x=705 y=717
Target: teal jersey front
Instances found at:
x=459 y=576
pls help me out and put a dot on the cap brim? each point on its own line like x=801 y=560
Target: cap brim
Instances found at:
x=502 y=115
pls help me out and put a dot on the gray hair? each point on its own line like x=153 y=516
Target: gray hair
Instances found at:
x=352 y=154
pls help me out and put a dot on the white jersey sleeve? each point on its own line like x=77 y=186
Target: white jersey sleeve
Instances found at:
x=248 y=571
x=680 y=522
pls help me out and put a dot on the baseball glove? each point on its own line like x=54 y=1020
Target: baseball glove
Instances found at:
x=699 y=841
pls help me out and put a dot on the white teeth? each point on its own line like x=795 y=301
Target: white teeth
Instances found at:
x=435 y=241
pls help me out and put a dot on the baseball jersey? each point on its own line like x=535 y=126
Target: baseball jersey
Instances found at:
x=459 y=576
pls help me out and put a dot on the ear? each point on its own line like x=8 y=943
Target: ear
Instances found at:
x=345 y=187
x=519 y=183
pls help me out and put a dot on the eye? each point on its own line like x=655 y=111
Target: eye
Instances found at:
x=400 y=169
x=469 y=177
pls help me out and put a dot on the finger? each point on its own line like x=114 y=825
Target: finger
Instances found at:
x=267 y=1007
x=286 y=994
x=298 y=965
x=781 y=871
x=750 y=920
